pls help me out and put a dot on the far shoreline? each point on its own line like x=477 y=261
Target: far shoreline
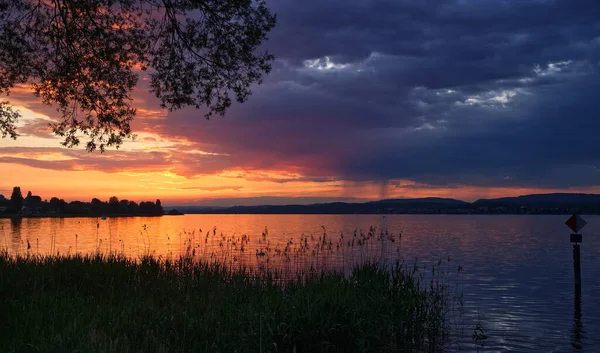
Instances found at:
x=82 y=216
x=13 y=216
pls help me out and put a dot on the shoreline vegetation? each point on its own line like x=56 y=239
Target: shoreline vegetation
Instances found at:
x=34 y=206
x=99 y=303
x=536 y=204
x=237 y=293
x=41 y=215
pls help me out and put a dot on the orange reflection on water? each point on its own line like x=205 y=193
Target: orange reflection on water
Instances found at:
x=291 y=241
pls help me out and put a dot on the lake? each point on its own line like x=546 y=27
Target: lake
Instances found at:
x=516 y=277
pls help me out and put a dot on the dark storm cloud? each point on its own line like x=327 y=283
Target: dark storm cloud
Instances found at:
x=441 y=92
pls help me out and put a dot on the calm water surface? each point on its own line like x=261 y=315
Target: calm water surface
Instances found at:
x=517 y=276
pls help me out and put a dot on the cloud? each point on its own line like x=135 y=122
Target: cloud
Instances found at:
x=212 y=188
x=38 y=127
x=69 y=159
x=442 y=93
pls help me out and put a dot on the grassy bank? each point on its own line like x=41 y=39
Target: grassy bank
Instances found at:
x=112 y=304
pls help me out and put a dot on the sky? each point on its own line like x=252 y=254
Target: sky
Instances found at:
x=367 y=99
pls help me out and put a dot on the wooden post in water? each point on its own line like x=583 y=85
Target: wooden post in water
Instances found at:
x=577 y=324
x=577 y=263
x=576 y=223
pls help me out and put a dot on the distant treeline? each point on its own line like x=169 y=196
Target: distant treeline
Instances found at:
x=528 y=204
x=33 y=204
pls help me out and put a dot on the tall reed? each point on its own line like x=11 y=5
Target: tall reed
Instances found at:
x=100 y=303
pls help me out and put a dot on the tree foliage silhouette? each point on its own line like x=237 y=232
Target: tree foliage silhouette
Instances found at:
x=16 y=199
x=84 y=58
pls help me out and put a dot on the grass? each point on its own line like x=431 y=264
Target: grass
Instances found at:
x=111 y=303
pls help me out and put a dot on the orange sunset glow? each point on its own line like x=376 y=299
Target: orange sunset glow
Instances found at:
x=156 y=166
x=313 y=131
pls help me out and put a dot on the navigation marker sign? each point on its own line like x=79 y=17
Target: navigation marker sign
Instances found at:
x=576 y=223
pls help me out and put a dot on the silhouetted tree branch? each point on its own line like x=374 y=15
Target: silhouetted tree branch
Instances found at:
x=84 y=57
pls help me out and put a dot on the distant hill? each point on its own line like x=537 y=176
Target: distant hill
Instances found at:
x=425 y=200
x=560 y=203
x=543 y=199
x=390 y=206
x=193 y=209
